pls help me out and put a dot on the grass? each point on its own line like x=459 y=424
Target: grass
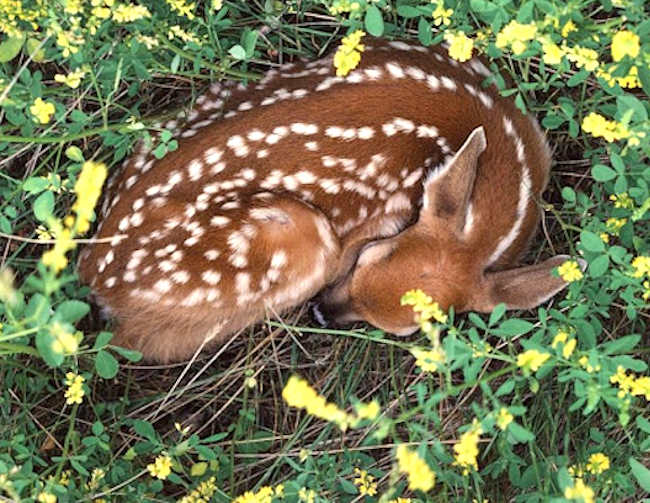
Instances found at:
x=233 y=423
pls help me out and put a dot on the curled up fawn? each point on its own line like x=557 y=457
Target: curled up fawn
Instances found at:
x=406 y=173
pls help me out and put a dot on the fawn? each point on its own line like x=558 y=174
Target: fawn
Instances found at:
x=406 y=173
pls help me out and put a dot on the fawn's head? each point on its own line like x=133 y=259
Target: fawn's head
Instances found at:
x=437 y=255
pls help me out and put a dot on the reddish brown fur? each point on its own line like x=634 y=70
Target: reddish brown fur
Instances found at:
x=450 y=267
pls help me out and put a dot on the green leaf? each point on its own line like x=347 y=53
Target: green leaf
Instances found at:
x=644 y=77
x=602 y=173
x=506 y=388
x=568 y=194
x=497 y=313
x=198 y=469
x=641 y=473
x=105 y=364
x=32 y=46
x=5 y=225
x=514 y=327
x=425 y=35
x=407 y=11
x=621 y=345
x=577 y=78
x=74 y=153
x=348 y=487
x=44 y=206
x=103 y=338
x=237 y=52
x=643 y=424
x=71 y=310
x=44 y=342
x=130 y=354
x=519 y=433
x=35 y=184
x=592 y=242
x=374 y=22
x=144 y=429
x=10 y=48
x=599 y=266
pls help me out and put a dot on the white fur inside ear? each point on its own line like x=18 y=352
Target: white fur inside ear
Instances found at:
x=374 y=252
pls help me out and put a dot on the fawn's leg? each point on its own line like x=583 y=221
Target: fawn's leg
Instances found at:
x=179 y=282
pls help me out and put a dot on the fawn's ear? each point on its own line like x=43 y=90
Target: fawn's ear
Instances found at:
x=521 y=288
x=448 y=189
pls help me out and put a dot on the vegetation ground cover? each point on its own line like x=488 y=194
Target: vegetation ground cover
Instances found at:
x=547 y=405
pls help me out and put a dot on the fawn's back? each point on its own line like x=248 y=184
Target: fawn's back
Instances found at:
x=405 y=174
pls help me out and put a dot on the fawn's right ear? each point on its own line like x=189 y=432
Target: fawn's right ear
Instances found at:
x=521 y=288
x=448 y=189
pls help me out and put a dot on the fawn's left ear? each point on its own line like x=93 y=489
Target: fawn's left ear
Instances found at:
x=520 y=288
x=448 y=189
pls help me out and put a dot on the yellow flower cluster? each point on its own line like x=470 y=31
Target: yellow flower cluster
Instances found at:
x=424 y=306
x=516 y=35
x=442 y=16
x=622 y=200
x=341 y=6
x=13 y=12
x=348 y=54
x=56 y=257
x=625 y=43
x=42 y=110
x=460 y=46
x=298 y=393
x=629 y=81
x=65 y=342
x=570 y=271
x=598 y=463
x=161 y=467
x=202 y=493
x=580 y=491
x=641 y=265
x=614 y=225
x=583 y=57
x=429 y=360
x=504 y=418
x=45 y=497
x=264 y=495
x=568 y=343
x=630 y=384
x=177 y=32
x=466 y=449
x=7 y=290
x=182 y=8
x=127 y=13
x=307 y=495
x=368 y=410
x=365 y=482
x=420 y=476
x=585 y=364
x=75 y=391
x=96 y=477
x=600 y=127
x=72 y=79
x=88 y=189
x=532 y=360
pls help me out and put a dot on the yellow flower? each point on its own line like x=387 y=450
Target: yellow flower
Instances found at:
x=646 y=293
x=532 y=359
x=553 y=54
x=568 y=344
x=88 y=189
x=641 y=387
x=65 y=342
x=579 y=491
x=401 y=500
x=598 y=463
x=45 y=497
x=340 y=6
x=516 y=35
x=203 y=492
x=217 y=4
x=264 y=495
x=42 y=110
x=75 y=391
x=429 y=360
x=569 y=271
x=460 y=46
x=420 y=476
x=466 y=449
x=504 y=418
x=161 y=467
x=641 y=265
x=365 y=482
x=614 y=225
x=584 y=363
x=348 y=54
x=622 y=200
x=72 y=79
x=182 y=8
x=368 y=410
x=568 y=27
x=598 y=126
x=73 y=6
x=442 y=16
x=625 y=43
x=424 y=305
x=56 y=257
x=298 y=393
x=178 y=32
x=127 y=13
x=307 y=495
x=582 y=57
x=7 y=290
